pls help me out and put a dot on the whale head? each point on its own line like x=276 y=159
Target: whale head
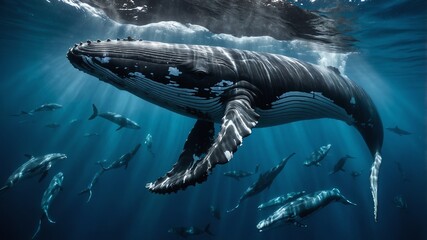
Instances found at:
x=173 y=76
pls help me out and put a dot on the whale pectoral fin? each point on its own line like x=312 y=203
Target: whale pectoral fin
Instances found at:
x=44 y=174
x=119 y=128
x=237 y=123
x=198 y=142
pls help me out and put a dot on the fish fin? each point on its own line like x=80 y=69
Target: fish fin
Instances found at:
x=87 y=190
x=48 y=218
x=207 y=230
x=102 y=166
x=29 y=156
x=4 y=188
x=237 y=206
x=238 y=120
x=90 y=196
x=44 y=174
x=135 y=150
x=94 y=112
x=38 y=227
x=119 y=128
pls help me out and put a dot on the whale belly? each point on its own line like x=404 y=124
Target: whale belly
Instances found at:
x=297 y=106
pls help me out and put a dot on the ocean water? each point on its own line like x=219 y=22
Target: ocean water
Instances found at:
x=389 y=62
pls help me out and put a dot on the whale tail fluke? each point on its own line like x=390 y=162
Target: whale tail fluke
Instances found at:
x=373 y=179
x=94 y=113
x=207 y=230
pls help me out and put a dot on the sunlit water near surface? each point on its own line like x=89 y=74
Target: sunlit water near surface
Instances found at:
x=389 y=62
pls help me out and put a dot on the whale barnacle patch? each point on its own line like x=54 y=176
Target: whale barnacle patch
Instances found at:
x=174 y=71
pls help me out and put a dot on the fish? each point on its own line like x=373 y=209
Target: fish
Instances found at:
x=238 y=174
x=281 y=200
x=118 y=119
x=317 y=156
x=339 y=166
x=398 y=131
x=303 y=206
x=34 y=166
x=55 y=186
x=264 y=181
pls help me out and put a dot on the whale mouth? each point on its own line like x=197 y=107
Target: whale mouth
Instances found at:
x=129 y=50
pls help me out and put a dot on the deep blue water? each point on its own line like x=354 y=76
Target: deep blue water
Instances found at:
x=390 y=64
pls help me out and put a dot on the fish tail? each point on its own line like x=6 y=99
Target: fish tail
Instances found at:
x=95 y=112
x=87 y=190
x=4 y=188
x=38 y=227
x=230 y=210
x=102 y=166
x=48 y=218
x=136 y=149
x=207 y=230
x=90 y=196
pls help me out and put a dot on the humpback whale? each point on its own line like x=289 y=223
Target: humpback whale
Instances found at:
x=115 y=118
x=303 y=206
x=51 y=192
x=264 y=181
x=238 y=174
x=239 y=89
x=281 y=200
x=317 y=156
x=33 y=167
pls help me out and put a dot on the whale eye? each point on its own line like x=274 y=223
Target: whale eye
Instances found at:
x=200 y=73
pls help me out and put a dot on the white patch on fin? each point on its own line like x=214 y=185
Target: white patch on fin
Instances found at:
x=228 y=155
x=174 y=71
x=374 y=182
